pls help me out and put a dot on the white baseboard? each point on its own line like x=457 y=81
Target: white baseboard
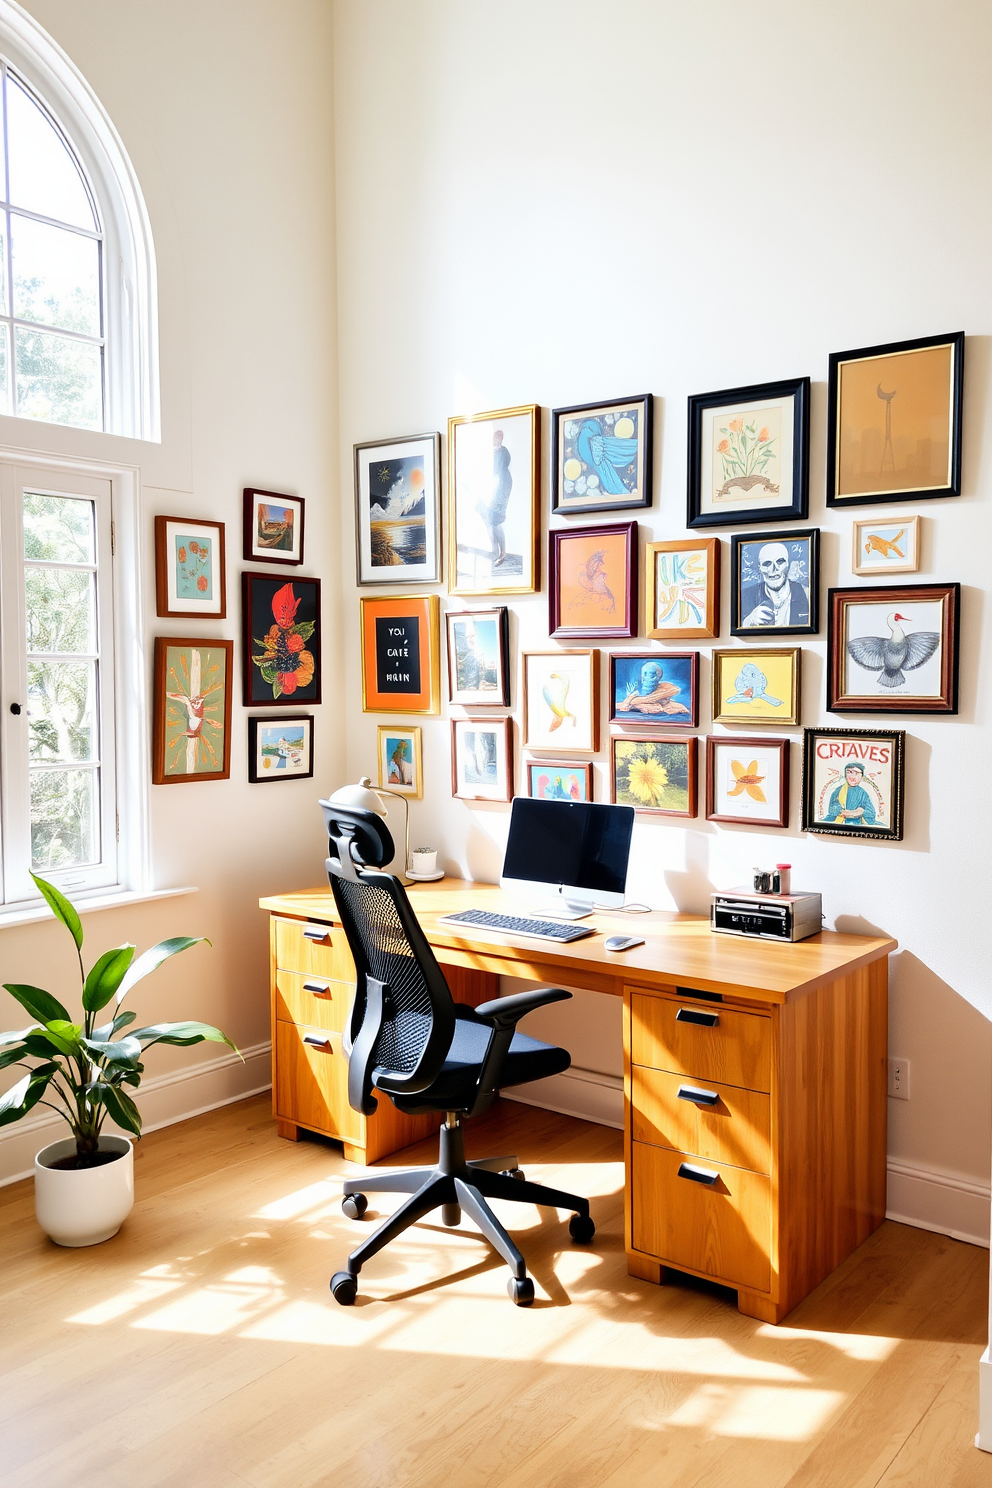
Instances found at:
x=164 y=1099
x=936 y=1199
x=984 y=1438
x=578 y=1092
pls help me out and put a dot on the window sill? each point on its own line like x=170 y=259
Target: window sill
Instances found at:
x=24 y=914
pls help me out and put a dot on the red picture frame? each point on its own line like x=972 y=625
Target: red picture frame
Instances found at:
x=593 y=582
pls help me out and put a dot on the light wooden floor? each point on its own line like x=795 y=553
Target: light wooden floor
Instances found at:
x=200 y=1348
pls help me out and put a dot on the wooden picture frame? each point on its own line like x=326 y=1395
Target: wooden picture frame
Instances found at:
x=193 y=683
x=894 y=421
x=280 y=749
x=913 y=669
x=563 y=780
x=654 y=687
x=561 y=701
x=767 y=566
x=757 y=685
x=592 y=582
x=871 y=763
x=478 y=648
x=494 y=509
x=273 y=527
x=682 y=589
x=401 y=653
x=601 y=455
x=749 y=454
x=656 y=774
x=398 y=510
x=190 y=569
x=886 y=547
x=281 y=641
x=402 y=772
x=760 y=786
x=487 y=773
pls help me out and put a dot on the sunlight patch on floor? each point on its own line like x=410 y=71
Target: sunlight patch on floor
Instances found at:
x=765 y=1412
x=871 y=1347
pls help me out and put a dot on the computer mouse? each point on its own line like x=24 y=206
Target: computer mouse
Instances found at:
x=623 y=942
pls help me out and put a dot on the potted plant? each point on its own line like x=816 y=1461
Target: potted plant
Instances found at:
x=84 y=1184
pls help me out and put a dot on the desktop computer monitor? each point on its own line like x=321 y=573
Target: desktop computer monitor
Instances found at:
x=569 y=853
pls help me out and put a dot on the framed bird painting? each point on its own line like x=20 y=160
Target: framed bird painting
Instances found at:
x=893 y=649
x=593 y=582
x=561 y=701
x=601 y=459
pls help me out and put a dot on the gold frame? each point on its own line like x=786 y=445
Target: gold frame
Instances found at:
x=791 y=720
x=534 y=410
x=559 y=745
x=711 y=629
x=418 y=759
x=433 y=603
x=876 y=570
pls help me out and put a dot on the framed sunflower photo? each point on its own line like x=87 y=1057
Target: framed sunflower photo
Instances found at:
x=281 y=649
x=747 y=780
x=657 y=775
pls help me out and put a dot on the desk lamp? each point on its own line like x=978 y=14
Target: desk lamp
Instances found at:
x=366 y=797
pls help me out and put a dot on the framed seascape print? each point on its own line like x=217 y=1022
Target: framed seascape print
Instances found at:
x=894 y=421
x=885 y=547
x=555 y=780
x=682 y=592
x=191 y=734
x=190 y=568
x=494 y=522
x=398 y=510
x=601 y=459
x=561 y=700
x=593 y=582
x=893 y=649
x=749 y=454
x=747 y=780
x=281 y=640
x=401 y=767
x=280 y=749
x=273 y=527
x=657 y=775
x=756 y=685
x=400 y=654
x=481 y=759
x=478 y=656
x=775 y=583
x=655 y=687
x=853 y=782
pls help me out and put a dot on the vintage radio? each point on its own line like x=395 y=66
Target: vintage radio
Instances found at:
x=766 y=916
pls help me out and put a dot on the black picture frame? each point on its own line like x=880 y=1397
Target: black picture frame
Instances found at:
x=739 y=543
x=498 y=617
x=797 y=509
x=824 y=753
x=262 y=594
x=644 y=404
x=256 y=778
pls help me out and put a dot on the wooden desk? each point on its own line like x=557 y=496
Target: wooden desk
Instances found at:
x=765 y=1184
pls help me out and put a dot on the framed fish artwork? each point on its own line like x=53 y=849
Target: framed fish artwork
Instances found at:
x=557 y=780
x=854 y=782
x=190 y=568
x=682 y=589
x=893 y=649
x=494 y=513
x=756 y=685
x=482 y=759
x=601 y=459
x=281 y=647
x=890 y=547
x=747 y=780
x=593 y=582
x=191 y=732
x=561 y=701
x=656 y=775
x=398 y=510
x=749 y=454
x=655 y=687
x=273 y=527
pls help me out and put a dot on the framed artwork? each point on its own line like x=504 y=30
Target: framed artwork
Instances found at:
x=853 y=782
x=401 y=766
x=893 y=649
x=657 y=775
x=191 y=733
x=885 y=547
x=273 y=527
x=190 y=568
x=481 y=759
x=756 y=685
x=280 y=748
x=557 y=780
x=655 y=687
x=682 y=593
x=593 y=582
x=494 y=521
x=281 y=640
x=747 y=780
x=749 y=454
x=894 y=421
x=400 y=654
x=775 y=583
x=561 y=700
x=602 y=456
x=398 y=510
x=478 y=656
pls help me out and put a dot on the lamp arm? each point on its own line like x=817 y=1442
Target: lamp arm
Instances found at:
x=382 y=790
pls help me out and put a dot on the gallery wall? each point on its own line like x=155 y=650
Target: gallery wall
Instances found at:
x=566 y=202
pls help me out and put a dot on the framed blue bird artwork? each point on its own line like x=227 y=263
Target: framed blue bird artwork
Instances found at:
x=602 y=455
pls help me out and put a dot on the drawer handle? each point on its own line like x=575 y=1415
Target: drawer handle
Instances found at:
x=315 y=932
x=319 y=989
x=318 y=1042
x=698 y=1175
x=696 y=1015
x=698 y=1097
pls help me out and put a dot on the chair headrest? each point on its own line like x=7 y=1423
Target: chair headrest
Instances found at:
x=356 y=837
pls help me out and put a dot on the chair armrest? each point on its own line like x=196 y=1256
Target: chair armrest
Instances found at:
x=505 y=1012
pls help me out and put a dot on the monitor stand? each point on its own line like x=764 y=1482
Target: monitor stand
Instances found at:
x=566 y=911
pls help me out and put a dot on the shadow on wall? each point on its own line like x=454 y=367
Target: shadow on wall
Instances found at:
x=691 y=887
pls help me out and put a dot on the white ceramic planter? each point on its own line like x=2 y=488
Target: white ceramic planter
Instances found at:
x=84 y=1207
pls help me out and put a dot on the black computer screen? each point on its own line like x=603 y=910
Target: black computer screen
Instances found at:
x=576 y=843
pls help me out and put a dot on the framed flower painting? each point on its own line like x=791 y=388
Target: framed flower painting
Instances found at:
x=749 y=454
x=191 y=733
x=190 y=568
x=281 y=648
x=747 y=780
x=656 y=775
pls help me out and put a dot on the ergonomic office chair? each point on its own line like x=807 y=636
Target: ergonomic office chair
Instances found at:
x=409 y=1039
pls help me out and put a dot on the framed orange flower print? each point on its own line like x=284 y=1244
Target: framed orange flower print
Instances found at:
x=281 y=650
x=749 y=454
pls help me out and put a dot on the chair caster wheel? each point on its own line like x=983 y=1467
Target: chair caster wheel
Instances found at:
x=581 y=1228
x=344 y=1288
x=517 y=1173
x=520 y=1290
x=353 y=1206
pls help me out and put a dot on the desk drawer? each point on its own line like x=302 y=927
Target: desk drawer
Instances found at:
x=304 y=945
x=722 y=1229
x=313 y=999
x=705 y=1040
x=312 y=1082
x=732 y=1128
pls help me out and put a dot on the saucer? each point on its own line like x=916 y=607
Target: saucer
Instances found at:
x=426 y=877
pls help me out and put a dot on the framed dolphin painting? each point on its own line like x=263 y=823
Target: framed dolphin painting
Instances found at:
x=749 y=454
x=655 y=687
x=601 y=459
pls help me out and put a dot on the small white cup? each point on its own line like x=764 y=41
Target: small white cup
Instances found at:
x=423 y=862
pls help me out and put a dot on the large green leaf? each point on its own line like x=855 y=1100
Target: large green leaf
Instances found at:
x=26 y=1093
x=107 y=1030
x=39 y=1003
x=62 y=909
x=16 y=1035
x=59 y=1037
x=13 y=1054
x=120 y=1051
x=183 y=1034
x=121 y=1108
x=105 y=977
x=151 y=960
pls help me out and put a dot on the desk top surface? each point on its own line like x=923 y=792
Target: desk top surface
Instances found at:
x=678 y=948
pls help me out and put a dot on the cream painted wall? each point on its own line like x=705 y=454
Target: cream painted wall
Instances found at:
x=569 y=200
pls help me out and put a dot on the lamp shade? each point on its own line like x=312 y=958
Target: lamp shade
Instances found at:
x=360 y=797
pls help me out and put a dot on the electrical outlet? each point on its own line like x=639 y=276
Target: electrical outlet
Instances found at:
x=899 y=1079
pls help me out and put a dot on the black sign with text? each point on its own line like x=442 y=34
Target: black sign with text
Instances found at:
x=397 y=653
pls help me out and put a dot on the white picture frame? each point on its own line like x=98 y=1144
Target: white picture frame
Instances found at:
x=885 y=546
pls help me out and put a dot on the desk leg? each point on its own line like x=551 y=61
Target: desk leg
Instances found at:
x=287 y=1129
x=753 y=1305
x=644 y=1268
